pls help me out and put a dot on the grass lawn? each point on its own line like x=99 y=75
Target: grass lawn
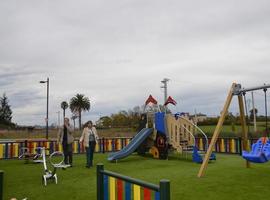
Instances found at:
x=227 y=178
x=226 y=130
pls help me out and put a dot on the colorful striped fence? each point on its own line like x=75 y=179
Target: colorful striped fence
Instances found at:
x=225 y=145
x=11 y=149
x=113 y=186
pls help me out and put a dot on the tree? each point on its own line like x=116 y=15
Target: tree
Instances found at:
x=78 y=104
x=74 y=117
x=251 y=113
x=64 y=106
x=5 y=111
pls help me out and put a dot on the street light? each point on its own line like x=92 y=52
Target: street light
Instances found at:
x=47 y=115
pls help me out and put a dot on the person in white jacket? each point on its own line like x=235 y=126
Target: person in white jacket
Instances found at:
x=89 y=139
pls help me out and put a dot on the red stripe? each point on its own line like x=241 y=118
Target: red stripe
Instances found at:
x=119 y=189
x=146 y=194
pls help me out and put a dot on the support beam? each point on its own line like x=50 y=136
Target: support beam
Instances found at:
x=217 y=131
x=244 y=126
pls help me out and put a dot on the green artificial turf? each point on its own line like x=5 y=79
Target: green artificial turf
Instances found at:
x=227 y=178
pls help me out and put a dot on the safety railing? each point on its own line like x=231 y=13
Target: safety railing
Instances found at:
x=112 y=186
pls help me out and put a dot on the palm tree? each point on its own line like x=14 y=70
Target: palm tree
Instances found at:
x=74 y=117
x=78 y=104
x=64 y=106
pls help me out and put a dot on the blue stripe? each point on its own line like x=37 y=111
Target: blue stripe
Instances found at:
x=106 y=187
x=157 y=196
x=127 y=191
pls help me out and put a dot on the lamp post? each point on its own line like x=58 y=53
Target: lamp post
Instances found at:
x=47 y=114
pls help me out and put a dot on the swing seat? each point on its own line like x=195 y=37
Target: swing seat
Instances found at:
x=266 y=150
x=257 y=154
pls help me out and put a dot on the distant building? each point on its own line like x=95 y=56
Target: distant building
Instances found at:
x=199 y=117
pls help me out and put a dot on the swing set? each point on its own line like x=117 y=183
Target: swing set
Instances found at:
x=260 y=151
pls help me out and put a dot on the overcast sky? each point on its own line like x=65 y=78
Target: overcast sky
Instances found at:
x=117 y=52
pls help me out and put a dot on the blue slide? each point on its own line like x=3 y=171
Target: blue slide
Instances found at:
x=132 y=146
x=260 y=152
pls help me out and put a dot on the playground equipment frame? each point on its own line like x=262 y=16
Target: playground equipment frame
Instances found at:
x=237 y=90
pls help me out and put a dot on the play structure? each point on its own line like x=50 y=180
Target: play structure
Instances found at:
x=34 y=157
x=56 y=160
x=260 y=152
x=163 y=133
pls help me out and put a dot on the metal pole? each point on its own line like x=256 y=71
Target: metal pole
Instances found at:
x=164 y=186
x=254 y=113
x=47 y=115
x=164 y=81
x=253 y=88
x=266 y=117
x=100 y=187
x=1 y=185
x=58 y=118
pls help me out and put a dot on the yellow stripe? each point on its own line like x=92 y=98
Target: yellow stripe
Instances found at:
x=15 y=150
x=34 y=145
x=97 y=148
x=75 y=147
x=112 y=188
x=137 y=192
x=110 y=145
x=48 y=147
x=222 y=147
x=1 y=150
x=233 y=146
x=60 y=148
x=201 y=144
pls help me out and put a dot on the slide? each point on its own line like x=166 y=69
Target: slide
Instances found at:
x=132 y=146
x=260 y=152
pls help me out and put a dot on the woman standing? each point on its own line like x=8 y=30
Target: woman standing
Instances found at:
x=89 y=138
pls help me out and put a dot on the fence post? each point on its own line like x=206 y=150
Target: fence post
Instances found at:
x=240 y=146
x=103 y=145
x=164 y=186
x=100 y=184
x=1 y=185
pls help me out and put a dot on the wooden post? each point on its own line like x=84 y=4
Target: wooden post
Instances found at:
x=216 y=132
x=244 y=126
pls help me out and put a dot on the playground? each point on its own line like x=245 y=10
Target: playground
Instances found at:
x=160 y=162
x=227 y=178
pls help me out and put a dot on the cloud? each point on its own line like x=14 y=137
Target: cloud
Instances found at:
x=117 y=52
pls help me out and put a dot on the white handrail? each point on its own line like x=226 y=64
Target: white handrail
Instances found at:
x=206 y=145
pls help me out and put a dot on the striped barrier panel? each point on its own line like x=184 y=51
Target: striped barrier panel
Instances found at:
x=12 y=149
x=225 y=145
x=113 y=186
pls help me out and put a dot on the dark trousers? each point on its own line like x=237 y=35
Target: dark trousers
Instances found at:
x=67 y=148
x=90 y=153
